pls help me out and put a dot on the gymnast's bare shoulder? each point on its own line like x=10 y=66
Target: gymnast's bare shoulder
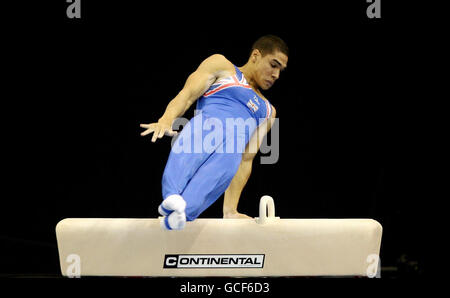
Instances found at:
x=219 y=65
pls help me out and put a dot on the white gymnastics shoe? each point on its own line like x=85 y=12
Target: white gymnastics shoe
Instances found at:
x=172 y=203
x=175 y=221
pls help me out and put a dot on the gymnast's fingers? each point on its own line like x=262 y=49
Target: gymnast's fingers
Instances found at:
x=171 y=133
x=147 y=131
x=156 y=133
x=161 y=133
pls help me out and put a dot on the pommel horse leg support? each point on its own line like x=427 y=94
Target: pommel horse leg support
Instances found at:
x=264 y=246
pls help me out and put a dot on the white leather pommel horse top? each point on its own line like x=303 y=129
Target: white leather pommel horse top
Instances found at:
x=264 y=246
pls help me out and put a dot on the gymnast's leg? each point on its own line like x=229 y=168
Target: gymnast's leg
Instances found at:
x=182 y=164
x=210 y=182
x=193 y=181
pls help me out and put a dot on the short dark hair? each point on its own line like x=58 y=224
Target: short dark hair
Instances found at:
x=268 y=44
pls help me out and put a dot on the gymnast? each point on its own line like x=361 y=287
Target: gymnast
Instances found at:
x=194 y=179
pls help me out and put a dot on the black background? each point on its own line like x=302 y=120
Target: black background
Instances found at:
x=76 y=91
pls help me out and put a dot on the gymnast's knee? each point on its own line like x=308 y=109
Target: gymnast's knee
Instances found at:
x=193 y=209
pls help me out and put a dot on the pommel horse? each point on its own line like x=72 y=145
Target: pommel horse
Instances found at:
x=259 y=247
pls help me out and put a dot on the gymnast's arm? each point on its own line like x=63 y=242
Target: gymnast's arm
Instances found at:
x=196 y=84
x=234 y=190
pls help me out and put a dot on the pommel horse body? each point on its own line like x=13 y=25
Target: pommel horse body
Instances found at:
x=263 y=246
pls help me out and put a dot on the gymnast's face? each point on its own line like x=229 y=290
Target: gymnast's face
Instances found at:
x=268 y=67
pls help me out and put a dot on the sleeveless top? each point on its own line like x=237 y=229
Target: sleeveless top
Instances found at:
x=233 y=97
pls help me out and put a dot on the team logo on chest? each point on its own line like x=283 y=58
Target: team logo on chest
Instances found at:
x=252 y=105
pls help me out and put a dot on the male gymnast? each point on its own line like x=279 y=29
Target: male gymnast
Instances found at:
x=192 y=181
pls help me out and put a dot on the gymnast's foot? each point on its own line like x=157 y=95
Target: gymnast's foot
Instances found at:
x=236 y=215
x=175 y=221
x=172 y=203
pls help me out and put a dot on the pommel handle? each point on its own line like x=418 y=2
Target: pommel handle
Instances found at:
x=266 y=210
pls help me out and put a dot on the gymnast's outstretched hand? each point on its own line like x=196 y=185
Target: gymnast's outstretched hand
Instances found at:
x=159 y=129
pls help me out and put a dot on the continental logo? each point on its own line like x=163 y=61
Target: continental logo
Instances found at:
x=213 y=261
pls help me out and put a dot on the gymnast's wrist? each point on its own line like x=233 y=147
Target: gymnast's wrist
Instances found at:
x=167 y=120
